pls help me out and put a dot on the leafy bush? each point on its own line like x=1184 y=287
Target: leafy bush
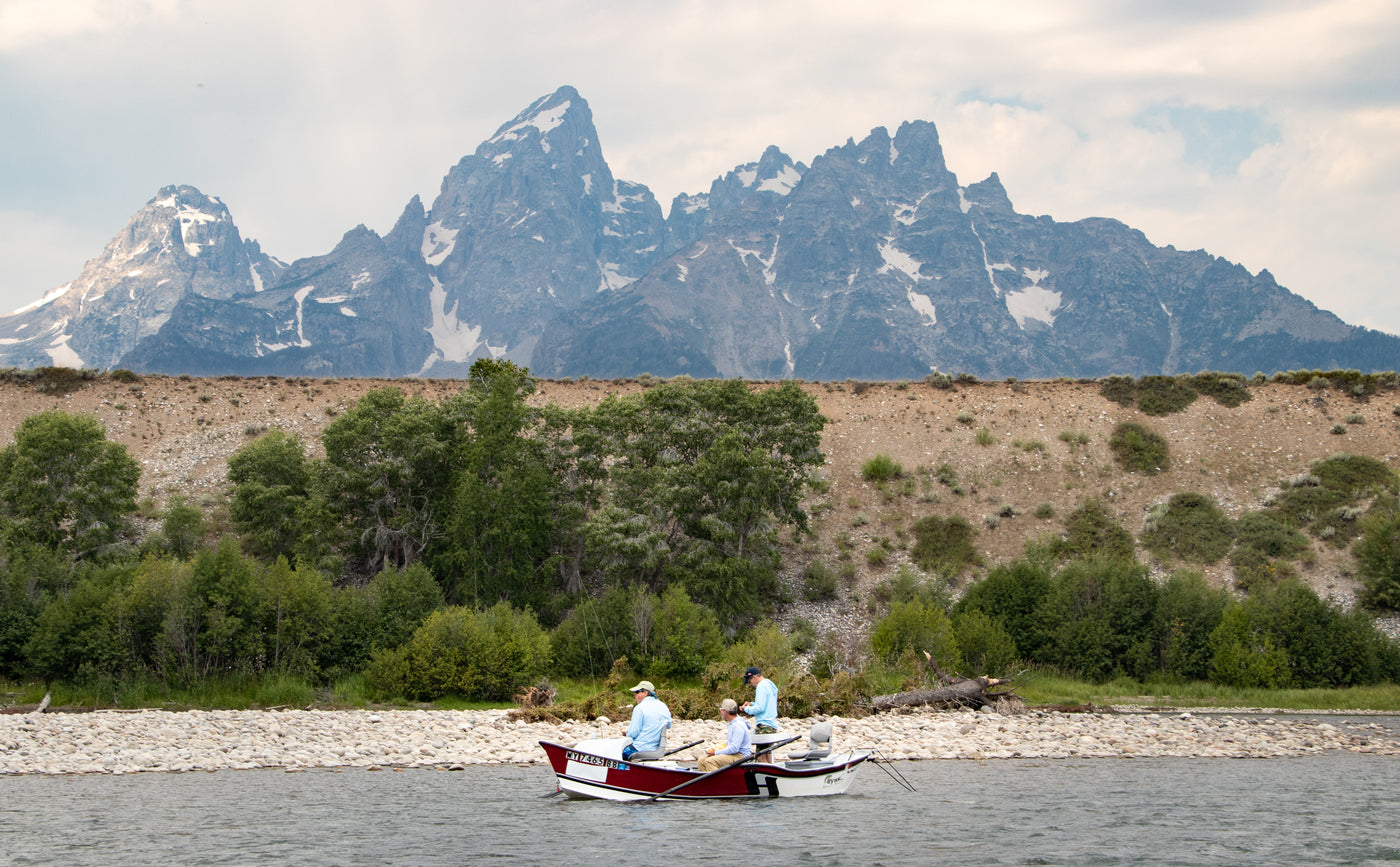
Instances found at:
x=1378 y=560
x=819 y=581
x=688 y=635
x=987 y=648
x=1091 y=530
x=487 y=655
x=1164 y=395
x=943 y=546
x=881 y=468
x=1011 y=594
x=1255 y=570
x=1269 y=536
x=1188 y=611
x=1098 y=619
x=1191 y=527
x=602 y=630
x=1138 y=449
x=915 y=627
x=1226 y=389
x=1122 y=390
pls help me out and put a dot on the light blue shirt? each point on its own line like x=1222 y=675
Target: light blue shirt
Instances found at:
x=738 y=741
x=650 y=718
x=764 y=707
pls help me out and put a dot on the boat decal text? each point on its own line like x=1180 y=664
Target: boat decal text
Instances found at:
x=585 y=758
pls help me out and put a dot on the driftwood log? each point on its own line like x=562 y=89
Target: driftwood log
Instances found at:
x=950 y=693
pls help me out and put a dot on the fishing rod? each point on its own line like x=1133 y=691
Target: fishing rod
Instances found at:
x=887 y=765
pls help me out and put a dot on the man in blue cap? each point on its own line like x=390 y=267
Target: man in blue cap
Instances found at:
x=764 y=707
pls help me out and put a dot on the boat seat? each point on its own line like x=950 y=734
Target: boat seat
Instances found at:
x=652 y=755
x=818 y=744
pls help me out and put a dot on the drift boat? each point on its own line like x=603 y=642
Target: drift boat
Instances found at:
x=596 y=769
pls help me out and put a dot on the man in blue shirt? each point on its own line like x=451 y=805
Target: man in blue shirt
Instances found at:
x=764 y=707
x=738 y=745
x=650 y=719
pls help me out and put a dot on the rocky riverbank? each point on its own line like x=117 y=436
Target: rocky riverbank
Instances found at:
x=118 y=742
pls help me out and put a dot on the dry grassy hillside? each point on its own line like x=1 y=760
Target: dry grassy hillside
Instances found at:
x=182 y=431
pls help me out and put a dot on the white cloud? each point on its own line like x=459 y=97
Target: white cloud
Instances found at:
x=310 y=117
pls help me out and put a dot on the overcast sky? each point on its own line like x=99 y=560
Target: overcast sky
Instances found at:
x=1267 y=132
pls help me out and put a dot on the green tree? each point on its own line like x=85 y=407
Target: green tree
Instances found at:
x=271 y=492
x=502 y=503
x=1188 y=611
x=182 y=529
x=64 y=487
x=687 y=635
x=388 y=475
x=298 y=611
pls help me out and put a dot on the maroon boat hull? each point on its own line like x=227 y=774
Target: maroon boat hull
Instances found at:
x=587 y=775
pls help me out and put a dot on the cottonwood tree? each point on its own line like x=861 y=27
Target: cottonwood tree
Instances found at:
x=64 y=487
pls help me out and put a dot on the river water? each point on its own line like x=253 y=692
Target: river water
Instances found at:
x=1338 y=808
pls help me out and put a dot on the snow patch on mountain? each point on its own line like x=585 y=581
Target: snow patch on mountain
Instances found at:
x=190 y=220
x=300 y=296
x=543 y=121
x=60 y=352
x=923 y=305
x=783 y=182
x=612 y=277
x=438 y=243
x=453 y=340
x=49 y=296
x=1034 y=302
x=898 y=260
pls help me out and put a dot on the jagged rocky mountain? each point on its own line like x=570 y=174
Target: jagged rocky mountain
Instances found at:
x=874 y=262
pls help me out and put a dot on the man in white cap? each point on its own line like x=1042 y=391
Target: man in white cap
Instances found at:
x=650 y=719
x=738 y=743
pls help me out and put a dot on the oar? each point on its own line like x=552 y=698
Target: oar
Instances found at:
x=770 y=748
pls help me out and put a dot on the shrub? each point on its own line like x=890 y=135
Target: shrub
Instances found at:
x=881 y=468
x=1090 y=530
x=1269 y=536
x=1188 y=610
x=1097 y=619
x=1226 y=389
x=818 y=581
x=965 y=417
x=1138 y=449
x=1011 y=595
x=1255 y=570
x=915 y=627
x=1164 y=395
x=983 y=437
x=1044 y=511
x=1191 y=528
x=944 y=546
x=987 y=648
x=1074 y=438
x=1378 y=560
x=688 y=635
x=1119 y=389
x=487 y=655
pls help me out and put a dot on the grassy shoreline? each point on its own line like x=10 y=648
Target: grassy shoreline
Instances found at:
x=1037 y=690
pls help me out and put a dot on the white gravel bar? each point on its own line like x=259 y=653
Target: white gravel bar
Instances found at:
x=124 y=742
